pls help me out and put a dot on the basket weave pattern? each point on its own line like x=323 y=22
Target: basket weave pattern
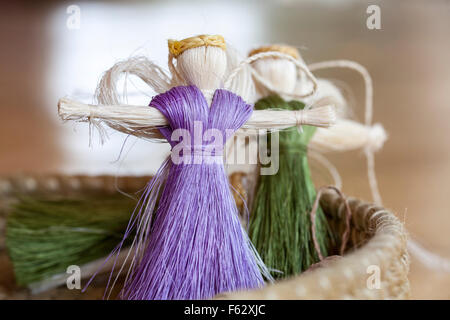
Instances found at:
x=377 y=239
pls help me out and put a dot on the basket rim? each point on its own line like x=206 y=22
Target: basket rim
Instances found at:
x=347 y=276
x=385 y=249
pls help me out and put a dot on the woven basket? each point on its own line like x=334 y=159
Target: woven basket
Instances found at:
x=377 y=242
x=377 y=245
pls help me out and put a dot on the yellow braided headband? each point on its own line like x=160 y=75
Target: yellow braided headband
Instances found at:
x=293 y=52
x=178 y=47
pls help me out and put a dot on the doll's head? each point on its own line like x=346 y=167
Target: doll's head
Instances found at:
x=200 y=61
x=280 y=73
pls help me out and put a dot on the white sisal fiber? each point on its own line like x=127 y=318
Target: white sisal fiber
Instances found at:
x=242 y=84
x=154 y=76
x=203 y=66
x=140 y=120
x=348 y=135
x=281 y=81
x=224 y=69
x=368 y=115
x=106 y=93
x=300 y=66
x=347 y=64
x=159 y=81
x=340 y=137
x=192 y=65
x=328 y=93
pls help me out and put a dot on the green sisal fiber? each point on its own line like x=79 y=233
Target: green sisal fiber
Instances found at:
x=280 y=225
x=45 y=236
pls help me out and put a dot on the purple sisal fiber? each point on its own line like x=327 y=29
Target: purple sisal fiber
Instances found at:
x=195 y=246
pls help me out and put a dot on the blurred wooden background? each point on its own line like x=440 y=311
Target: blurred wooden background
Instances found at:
x=409 y=60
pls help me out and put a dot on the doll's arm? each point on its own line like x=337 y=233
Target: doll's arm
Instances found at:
x=140 y=120
x=348 y=135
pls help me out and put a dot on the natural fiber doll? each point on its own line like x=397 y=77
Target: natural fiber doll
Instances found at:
x=280 y=225
x=89 y=228
x=193 y=246
x=348 y=135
